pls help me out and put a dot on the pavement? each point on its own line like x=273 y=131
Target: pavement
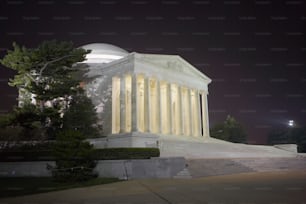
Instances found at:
x=282 y=187
x=214 y=148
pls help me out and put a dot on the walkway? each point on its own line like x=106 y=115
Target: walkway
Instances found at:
x=252 y=188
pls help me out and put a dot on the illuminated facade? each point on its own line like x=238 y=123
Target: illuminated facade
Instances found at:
x=143 y=98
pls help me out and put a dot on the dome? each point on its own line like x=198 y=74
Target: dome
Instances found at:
x=103 y=53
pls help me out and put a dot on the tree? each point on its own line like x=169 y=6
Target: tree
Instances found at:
x=230 y=130
x=81 y=116
x=74 y=157
x=291 y=135
x=46 y=78
x=51 y=98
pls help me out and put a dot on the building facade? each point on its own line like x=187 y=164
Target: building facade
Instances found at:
x=141 y=98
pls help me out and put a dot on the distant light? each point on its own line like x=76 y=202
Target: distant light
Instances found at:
x=291 y=123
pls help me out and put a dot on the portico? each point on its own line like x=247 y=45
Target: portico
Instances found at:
x=141 y=98
x=160 y=107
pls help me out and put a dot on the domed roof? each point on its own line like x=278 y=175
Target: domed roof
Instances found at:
x=103 y=53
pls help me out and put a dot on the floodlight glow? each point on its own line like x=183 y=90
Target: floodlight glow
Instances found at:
x=103 y=53
x=103 y=56
x=291 y=123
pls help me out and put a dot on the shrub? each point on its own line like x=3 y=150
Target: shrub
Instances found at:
x=73 y=156
x=126 y=153
x=43 y=152
x=230 y=130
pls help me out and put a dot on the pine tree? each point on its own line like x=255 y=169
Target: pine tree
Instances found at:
x=46 y=78
x=230 y=130
x=73 y=157
x=81 y=116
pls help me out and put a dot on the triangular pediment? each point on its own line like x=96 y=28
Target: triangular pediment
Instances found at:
x=173 y=62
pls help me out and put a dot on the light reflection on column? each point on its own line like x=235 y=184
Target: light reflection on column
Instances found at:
x=140 y=103
x=153 y=106
x=194 y=113
x=128 y=103
x=164 y=108
x=175 y=110
x=115 y=105
x=185 y=111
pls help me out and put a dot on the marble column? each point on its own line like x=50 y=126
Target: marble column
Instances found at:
x=122 y=104
x=190 y=112
x=147 y=111
x=180 y=110
x=164 y=107
x=115 y=105
x=205 y=114
x=169 y=109
x=158 y=120
x=153 y=106
x=128 y=103
x=199 y=116
x=160 y=116
x=134 y=103
x=185 y=111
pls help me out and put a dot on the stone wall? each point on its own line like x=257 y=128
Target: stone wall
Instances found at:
x=123 y=169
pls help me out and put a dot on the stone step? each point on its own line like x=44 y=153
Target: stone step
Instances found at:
x=184 y=174
x=267 y=164
x=213 y=167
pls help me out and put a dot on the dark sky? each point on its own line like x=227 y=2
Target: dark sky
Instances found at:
x=254 y=51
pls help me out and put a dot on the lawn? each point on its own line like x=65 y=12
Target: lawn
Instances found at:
x=11 y=187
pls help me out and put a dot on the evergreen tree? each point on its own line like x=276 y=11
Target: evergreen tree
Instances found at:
x=46 y=78
x=81 y=116
x=230 y=131
x=73 y=157
x=290 y=135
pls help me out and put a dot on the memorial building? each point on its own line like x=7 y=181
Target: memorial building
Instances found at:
x=141 y=98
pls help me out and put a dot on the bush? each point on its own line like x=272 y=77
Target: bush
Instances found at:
x=26 y=146
x=73 y=156
x=43 y=152
x=126 y=153
x=230 y=130
x=292 y=135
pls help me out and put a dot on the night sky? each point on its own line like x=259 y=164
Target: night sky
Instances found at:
x=254 y=51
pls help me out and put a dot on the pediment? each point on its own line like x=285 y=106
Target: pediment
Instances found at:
x=173 y=62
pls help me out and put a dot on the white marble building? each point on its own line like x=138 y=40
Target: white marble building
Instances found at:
x=141 y=98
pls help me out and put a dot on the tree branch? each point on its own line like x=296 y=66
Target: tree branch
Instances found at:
x=31 y=78
x=50 y=62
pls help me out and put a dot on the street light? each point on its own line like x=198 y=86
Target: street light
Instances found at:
x=291 y=123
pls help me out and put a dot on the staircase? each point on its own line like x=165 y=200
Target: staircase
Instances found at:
x=213 y=167
x=184 y=174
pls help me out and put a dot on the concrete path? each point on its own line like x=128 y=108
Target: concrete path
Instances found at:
x=286 y=187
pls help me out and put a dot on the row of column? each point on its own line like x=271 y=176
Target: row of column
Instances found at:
x=149 y=105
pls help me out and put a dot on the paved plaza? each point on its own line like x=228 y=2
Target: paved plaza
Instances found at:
x=286 y=187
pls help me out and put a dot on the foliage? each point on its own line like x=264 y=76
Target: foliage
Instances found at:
x=73 y=156
x=81 y=116
x=126 y=153
x=230 y=131
x=9 y=136
x=292 y=135
x=29 y=119
x=30 y=146
x=43 y=152
x=48 y=75
x=22 y=124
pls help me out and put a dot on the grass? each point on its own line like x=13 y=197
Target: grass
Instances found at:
x=11 y=187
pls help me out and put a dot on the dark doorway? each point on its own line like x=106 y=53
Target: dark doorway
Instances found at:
x=201 y=113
